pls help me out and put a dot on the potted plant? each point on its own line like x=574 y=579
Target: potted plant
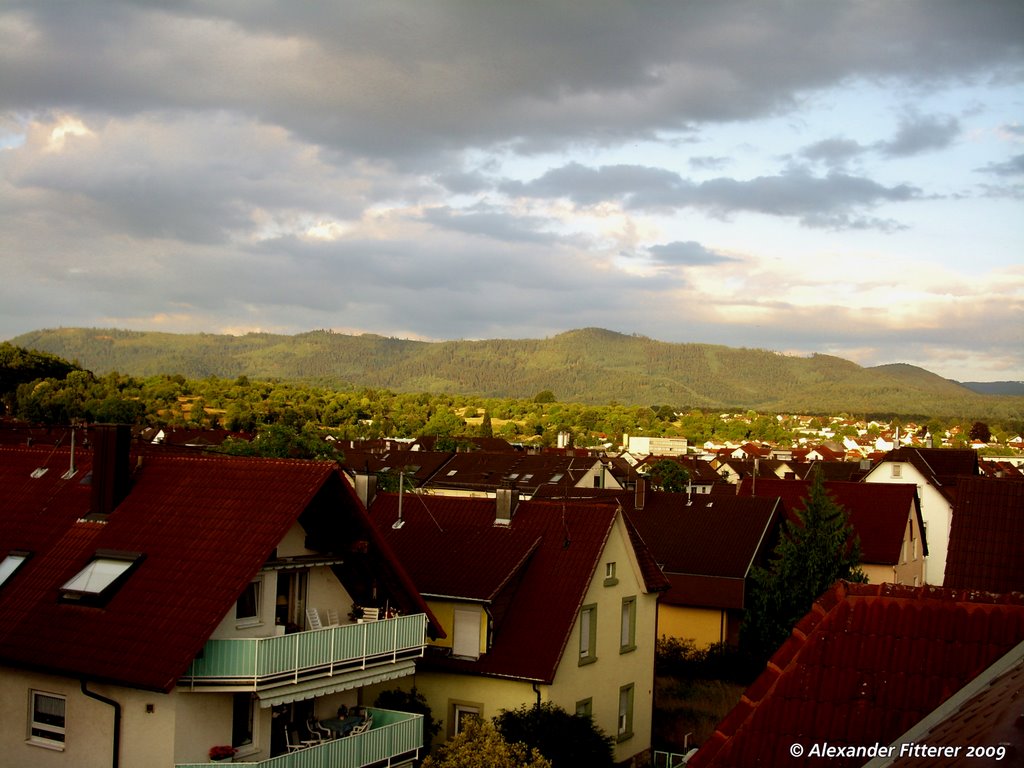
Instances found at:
x=222 y=754
x=356 y=613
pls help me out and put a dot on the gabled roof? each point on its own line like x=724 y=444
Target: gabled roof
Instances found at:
x=867 y=663
x=705 y=544
x=877 y=511
x=204 y=527
x=942 y=467
x=478 y=557
x=547 y=556
x=986 y=537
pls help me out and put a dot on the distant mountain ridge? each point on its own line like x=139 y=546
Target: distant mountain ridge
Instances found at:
x=589 y=365
x=996 y=387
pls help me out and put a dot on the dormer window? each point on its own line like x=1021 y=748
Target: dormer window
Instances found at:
x=101 y=577
x=10 y=564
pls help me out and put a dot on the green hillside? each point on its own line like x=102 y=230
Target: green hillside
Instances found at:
x=589 y=366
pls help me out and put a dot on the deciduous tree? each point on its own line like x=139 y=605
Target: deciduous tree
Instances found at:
x=479 y=745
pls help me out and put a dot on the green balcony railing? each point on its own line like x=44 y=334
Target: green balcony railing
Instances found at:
x=270 y=661
x=394 y=736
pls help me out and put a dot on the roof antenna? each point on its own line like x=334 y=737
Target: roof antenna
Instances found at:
x=399 y=522
x=71 y=467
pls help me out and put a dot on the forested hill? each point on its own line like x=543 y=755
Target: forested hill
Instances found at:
x=589 y=366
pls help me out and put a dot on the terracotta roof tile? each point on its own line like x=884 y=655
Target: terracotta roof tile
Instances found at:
x=205 y=527
x=704 y=543
x=986 y=538
x=864 y=670
x=878 y=512
x=546 y=543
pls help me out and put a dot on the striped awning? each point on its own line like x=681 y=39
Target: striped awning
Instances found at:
x=327 y=685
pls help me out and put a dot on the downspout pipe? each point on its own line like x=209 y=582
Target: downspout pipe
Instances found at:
x=536 y=690
x=116 y=760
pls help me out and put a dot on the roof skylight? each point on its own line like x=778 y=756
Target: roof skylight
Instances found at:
x=12 y=563
x=98 y=579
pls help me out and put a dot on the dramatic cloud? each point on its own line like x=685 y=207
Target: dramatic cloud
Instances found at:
x=762 y=172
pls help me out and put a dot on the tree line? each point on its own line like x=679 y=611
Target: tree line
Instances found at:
x=43 y=389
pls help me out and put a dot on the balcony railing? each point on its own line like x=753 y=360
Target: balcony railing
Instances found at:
x=259 y=662
x=394 y=736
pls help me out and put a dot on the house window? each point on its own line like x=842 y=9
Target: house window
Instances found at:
x=99 y=579
x=242 y=718
x=627 y=629
x=585 y=708
x=12 y=563
x=247 y=609
x=461 y=712
x=466 y=631
x=47 y=723
x=625 y=724
x=609 y=575
x=588 y=634
x=897 y=470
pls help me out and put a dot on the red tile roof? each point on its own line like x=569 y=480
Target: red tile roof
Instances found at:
x=986 y=713
x=943 y=467
x=705 y=544
x=877 y=511
x=205 y=526
x=986 y=537
x=488 y=471
x=864 y=665
x=548 y=554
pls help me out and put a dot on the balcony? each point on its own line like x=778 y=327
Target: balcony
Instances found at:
x=258 y=663
x=395 y=737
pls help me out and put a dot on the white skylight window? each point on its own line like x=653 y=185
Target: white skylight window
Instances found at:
x=99 y=578
x=10 y=564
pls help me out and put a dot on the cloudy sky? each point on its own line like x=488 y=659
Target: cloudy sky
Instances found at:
x=801 y=176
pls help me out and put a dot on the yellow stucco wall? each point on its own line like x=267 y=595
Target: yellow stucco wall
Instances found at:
x=146 y=738
x=600 y=681
x=705 y=626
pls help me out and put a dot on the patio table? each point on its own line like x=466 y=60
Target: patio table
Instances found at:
x=341 y=726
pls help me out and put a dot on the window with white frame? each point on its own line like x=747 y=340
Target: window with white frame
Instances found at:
x=897 y=470
x=588 y=634
x=461 y=713
x=47 y=719
x=627 y=626
x=247 y=608
x=624 y=729
x=609 y=574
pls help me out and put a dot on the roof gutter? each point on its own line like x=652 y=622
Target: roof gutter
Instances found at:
x=116 y=759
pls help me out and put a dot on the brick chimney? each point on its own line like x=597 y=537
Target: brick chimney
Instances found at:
x=641 y=492
x=111 y=467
